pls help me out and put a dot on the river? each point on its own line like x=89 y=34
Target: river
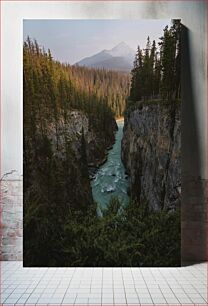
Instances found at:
x=110 y=179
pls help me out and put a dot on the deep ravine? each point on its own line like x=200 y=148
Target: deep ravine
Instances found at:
x=110 y=179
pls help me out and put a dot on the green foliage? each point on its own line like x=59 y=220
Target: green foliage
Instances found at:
x=52 y=89
x=156 y=72
x=124 y=236
x=56 y=180
x=61 y=226
x=112 y=87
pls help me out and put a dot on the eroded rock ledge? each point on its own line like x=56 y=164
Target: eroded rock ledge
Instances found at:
x=151 y=153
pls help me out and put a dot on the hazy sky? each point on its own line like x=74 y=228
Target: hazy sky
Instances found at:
x=72 y=40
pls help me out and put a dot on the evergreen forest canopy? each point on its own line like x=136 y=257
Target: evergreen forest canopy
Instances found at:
x=61 y=226
x=94 y=91
x=156 y=72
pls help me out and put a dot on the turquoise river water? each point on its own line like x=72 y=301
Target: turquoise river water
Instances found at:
x=110 y=180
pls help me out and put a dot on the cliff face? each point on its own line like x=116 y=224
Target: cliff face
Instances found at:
x=96 y=141
x=86 y=147
x=61 y=159
x=151 y=153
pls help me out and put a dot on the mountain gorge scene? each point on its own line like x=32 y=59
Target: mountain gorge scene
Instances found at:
x=102 y=144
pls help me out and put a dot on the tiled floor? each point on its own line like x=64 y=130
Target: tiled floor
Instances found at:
x=103 y=286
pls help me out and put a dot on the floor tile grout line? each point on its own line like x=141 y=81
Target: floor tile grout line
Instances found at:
x=135 y=286
x=180 y=288
x=90 y=284
x=124 y=284
x=69 y=285
x=102 y=285
x=170 y=287
x=147 y=287
x=37 y=284
x=9 y=296
x=188 y=295
x=159 y=286
x=123 y=276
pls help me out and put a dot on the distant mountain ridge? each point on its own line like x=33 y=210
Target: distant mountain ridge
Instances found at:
x=119 y=58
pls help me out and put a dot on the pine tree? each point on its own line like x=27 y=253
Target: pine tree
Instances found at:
x=156 y=73
x=168 y=63
x=136 y=89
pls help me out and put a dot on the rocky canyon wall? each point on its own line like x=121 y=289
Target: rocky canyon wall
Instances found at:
x=151 y=152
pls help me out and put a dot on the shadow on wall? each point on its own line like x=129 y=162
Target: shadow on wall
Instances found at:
x=194 y=203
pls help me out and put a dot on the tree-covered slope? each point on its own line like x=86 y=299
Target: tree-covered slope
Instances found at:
x=69 y=123
x=156 y=72
x=67 y=126
x=112 y=87
x=151 y=146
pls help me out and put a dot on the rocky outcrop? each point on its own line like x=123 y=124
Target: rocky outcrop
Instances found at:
x=63 y=152
x=97 y=142
x=151 y=153
x=84 y=147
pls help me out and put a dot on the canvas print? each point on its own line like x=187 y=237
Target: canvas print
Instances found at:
x=102 y=143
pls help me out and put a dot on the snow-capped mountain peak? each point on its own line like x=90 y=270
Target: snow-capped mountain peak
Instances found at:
x=122 y=49
x=120 y=57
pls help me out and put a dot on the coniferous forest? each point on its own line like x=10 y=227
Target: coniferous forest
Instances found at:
x=69 y=125
x=156 y=72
